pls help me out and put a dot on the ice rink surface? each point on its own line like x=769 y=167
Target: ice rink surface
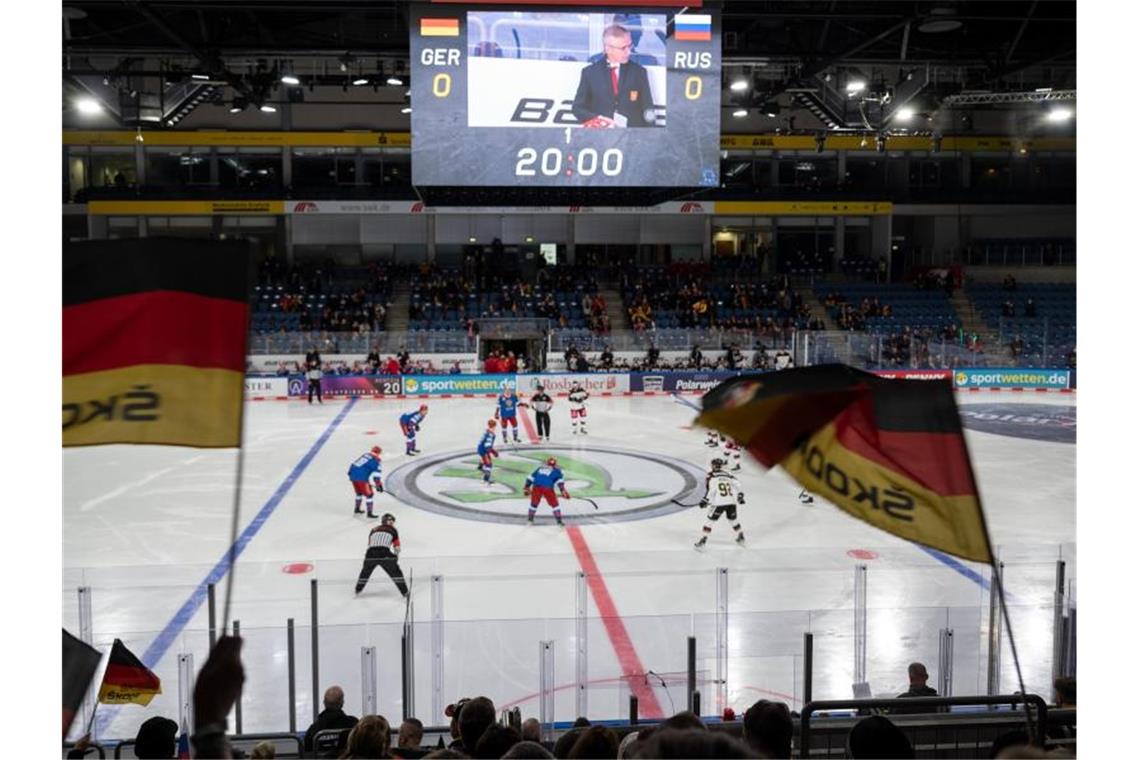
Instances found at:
x=146 y=527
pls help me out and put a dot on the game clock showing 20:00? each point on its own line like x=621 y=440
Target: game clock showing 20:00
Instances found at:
x=565 y=98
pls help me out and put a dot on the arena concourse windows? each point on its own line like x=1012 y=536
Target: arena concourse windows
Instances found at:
x=177 y=166
x=324 y=167
x=249 y=168
x=98 y=167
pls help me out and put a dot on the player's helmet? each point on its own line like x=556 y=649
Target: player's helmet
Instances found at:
x=490 y=423
x=717 y=463
x=423 y=407
x=538 y=387
x=387 y=518
x=552 y=462
x=376 y=450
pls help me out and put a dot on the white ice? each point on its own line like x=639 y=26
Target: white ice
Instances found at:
x=144 y=526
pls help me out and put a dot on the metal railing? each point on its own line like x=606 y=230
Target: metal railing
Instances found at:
x=670 y=339
x=432 y=342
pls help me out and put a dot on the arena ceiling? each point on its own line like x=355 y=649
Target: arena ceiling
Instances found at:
x=796 y=53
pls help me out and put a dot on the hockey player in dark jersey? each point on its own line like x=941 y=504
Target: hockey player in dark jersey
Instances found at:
x=383 y=551
x=541 y=484
x=410 y=425
x=507 y=411
x=486 y=450
x=364 y=474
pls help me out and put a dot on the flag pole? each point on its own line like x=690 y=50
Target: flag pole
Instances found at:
x=997 y=576
x=232 y=555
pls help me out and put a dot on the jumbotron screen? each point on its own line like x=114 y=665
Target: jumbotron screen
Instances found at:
x=565 y=98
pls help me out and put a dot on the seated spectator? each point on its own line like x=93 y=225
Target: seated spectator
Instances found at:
x=1016 y=347
x=263 y=751
x=566 y=742
x=1030 y=308
x=332 y=717
x=495 y=742
x=916 y=673
x=669 y=743
x=598 y=743
x=474 y=717
x=768 y=729
x=528 y=749
x=531 y=730
x=157 y=738
x=1065 y=692
x=408 y=739
x=877 y=738
x=1009 y=283
x=607 y=357
x=685 y=720
x=652 y=355
x=369 y=738
x=392 y=367
x=454 y=369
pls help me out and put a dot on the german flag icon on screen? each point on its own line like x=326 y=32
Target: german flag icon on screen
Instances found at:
x=439 y=27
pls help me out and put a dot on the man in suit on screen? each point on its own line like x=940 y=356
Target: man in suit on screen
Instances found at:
x=614 y=91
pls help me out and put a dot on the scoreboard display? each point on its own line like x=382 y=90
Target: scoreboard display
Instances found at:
x=565 y=97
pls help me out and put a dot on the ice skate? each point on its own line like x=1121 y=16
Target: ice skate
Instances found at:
x=701 y=543
x=373 y=516
x=740 y=539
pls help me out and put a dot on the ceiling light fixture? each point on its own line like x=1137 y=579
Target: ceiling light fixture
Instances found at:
x=905 y=113
x=855 y=86
x=406 y=109
x=738 y=85
x=360 y=81
x=291 y=79
x=267 y=108
x=88 y=106
x=1059 y=115
x=740 y=113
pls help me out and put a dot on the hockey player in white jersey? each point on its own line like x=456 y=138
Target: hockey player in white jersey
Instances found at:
x=578 y=396
x=723 y=495
x=729 y=449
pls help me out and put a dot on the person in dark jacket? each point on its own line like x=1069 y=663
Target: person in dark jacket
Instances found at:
x=918 y=676
x=614 y=91
x=332 y=717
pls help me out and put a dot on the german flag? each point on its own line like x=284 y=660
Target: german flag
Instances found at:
x=439 y=27
x=154 y=338
x=127 y=680
x=889 y=452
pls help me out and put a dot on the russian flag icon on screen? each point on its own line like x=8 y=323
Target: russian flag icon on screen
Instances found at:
x=692 y=27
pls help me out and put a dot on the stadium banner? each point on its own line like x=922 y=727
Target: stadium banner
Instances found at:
x=350 y=385
x=669 y=382
x=266 y=386
x=1010 y=377
x=593 y=382
x=914 y=374
x=455 y=385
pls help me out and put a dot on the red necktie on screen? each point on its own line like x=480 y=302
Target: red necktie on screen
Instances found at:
x=614 y=78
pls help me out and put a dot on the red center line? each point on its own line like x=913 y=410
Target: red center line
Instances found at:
x=632 y=670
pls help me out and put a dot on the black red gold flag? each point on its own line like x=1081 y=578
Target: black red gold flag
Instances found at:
x=154 y=337
x=80 y=660
x=889 y=452
x=126 y=679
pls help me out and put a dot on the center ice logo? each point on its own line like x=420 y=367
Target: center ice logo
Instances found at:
x=626 y=485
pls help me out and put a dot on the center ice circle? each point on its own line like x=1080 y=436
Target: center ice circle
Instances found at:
x=626 y=485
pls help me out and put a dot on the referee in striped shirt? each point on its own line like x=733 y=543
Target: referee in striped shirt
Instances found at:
x=541 y=403
x=383 y=549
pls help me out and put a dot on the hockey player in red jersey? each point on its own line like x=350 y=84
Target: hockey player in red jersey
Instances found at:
x=541 y=484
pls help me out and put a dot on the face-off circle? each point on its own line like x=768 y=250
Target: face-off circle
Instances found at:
x=626 y=485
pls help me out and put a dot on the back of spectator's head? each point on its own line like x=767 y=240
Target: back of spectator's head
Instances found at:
x=582 y=722
x=411 y=733
x=370 y=737
x=444 y=753
x=528 y=749
x=494 y=742
x=1008 y=740
x=1066 y=688
x=683 y=720
x=334 y=698
x=566 y=742
x=532 y=730
x=597 y=742
x=263 y=751
x=157 y=738
x=877 y=737
x=474 y=717
x=768 y=729
x=916 y=672
x=670 y=743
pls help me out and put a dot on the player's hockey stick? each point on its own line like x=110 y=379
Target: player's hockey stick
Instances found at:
x=682 y=504
x=583 y=498
x=691 y=404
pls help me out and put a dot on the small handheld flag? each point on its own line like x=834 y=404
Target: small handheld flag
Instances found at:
x=127 y=680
